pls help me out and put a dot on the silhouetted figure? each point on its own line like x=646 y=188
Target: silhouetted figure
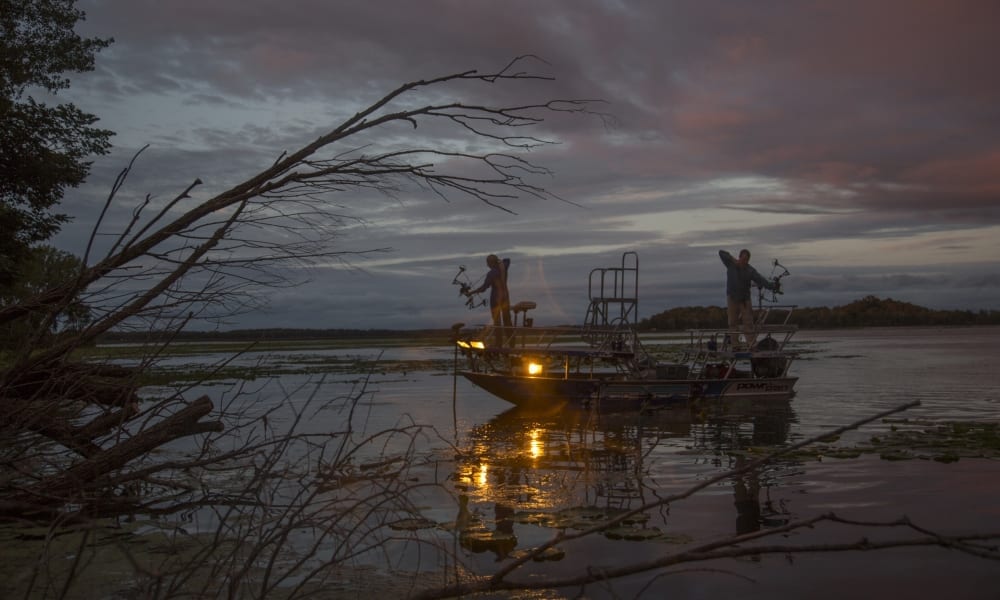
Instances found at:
x=496 y=282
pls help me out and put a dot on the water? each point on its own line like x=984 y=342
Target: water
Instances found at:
x=952 y=372
x=527 y=477
x=542 y=463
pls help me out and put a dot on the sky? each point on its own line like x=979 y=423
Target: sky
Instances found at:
x=855 y=141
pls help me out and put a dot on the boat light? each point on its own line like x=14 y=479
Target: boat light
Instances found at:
x=463 y=344
x=535 y=368
x=478 y=345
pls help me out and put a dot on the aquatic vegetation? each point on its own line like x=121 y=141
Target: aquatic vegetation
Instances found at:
x=941 y=441
x=412 y=524
x=539 y=555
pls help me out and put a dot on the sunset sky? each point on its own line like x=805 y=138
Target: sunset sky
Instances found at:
x=856 y=141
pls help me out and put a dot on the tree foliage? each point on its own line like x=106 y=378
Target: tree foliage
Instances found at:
x=45 y=267
x=45 y=147
x=869 y=311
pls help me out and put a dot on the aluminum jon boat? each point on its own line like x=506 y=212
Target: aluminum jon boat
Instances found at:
x=604 y=364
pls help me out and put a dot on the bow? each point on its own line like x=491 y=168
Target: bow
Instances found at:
x=778 y=271
x=473 y=301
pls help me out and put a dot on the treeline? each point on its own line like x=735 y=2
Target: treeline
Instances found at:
x=867 y=312
x=870 y=311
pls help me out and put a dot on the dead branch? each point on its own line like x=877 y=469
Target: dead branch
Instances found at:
x=84 y=479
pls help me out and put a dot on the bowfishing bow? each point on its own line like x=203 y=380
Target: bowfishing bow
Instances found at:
x=473 y=301
x=778 y=272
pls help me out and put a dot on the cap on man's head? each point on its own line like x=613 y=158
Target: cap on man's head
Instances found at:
x=745 y=251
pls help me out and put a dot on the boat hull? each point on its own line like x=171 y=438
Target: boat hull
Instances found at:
x=624 y=394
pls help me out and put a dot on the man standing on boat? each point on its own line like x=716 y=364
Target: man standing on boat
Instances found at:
x=739 y=276
x=496 y=282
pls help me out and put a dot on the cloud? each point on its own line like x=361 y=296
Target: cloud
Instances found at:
x=857 y=141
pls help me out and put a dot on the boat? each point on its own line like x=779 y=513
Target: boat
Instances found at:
x=605 y=363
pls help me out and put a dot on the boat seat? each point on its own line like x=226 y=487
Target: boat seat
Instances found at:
x=523 y=307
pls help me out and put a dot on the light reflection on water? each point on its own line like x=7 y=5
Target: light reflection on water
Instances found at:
x=509 y=462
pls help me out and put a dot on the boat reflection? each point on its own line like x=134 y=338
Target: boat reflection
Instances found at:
x=570 y=465
x=751 y=430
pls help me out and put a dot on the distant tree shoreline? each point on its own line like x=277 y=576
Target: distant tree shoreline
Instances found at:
x=870 y=311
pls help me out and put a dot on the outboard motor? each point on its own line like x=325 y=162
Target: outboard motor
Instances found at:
x=771 y=366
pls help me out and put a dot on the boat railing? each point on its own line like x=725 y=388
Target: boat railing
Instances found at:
x=724 y=350
x=773 y=314
x=740 y=340
x=614 y=293
x=519 y=339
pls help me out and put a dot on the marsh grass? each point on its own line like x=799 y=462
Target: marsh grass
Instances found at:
x=276 y=358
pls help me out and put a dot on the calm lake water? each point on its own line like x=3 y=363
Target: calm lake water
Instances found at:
x=526 y=475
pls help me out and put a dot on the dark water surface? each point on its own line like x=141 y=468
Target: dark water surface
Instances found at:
x=514 y=465
x=527 y=477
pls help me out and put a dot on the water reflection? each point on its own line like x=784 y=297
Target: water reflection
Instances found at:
x=574 y=466
x=737 y=438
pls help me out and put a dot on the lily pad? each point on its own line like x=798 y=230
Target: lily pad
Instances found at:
x=412 y=524
x=547 y=554
x=943 y=442
x=632 y=533
x=481 y=540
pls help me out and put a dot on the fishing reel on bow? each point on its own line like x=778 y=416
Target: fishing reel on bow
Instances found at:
x=473 y=301
x=778 y=272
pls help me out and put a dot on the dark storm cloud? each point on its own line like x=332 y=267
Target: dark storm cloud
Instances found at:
x=859 y=140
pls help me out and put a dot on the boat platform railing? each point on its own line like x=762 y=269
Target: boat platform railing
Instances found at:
x=614 y=294
x=568 y=349
x=773 y=314
x=613 y=309
x=764 y=349
x=553 y=340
